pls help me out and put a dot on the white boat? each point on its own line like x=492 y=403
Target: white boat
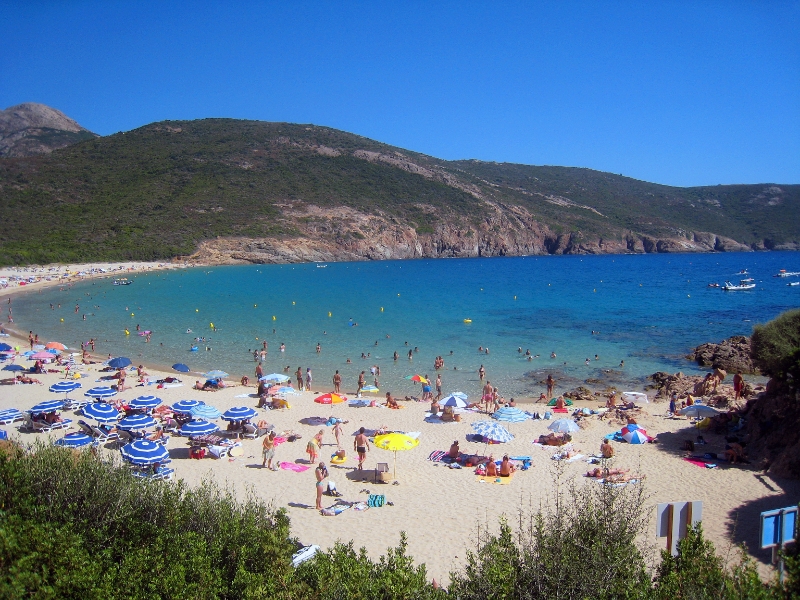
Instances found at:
x=122 y=281
x=321 y=266
x=794 y=283
x=743 y=285
x=785 y=273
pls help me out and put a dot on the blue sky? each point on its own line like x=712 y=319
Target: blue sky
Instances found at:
x=681 y=93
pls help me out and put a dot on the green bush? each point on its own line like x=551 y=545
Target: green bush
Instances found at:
x=775 y=348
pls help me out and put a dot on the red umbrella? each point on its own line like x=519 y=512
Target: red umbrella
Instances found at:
x=330 y=398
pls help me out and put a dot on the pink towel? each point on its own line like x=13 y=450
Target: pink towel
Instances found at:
x=279 y=440
x=696 y=462
x=560 y=410
x=287 y=466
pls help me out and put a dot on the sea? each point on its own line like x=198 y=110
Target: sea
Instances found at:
x=606 y=320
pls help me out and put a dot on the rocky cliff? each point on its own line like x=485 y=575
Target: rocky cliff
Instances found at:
x=30 y=128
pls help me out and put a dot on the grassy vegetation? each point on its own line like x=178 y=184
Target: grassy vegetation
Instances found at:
x=76 y=526
x=157 y=191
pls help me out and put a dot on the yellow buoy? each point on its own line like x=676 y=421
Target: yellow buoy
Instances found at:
x=467 y=320
x=127 y=332
x=398 y=295
x=274 y=318
x=256 y=338
x=381 y=309
x=292 y=302
x=329 y=314
x=62 y=320
x=515 y=297
x=131 y=314
x=255 y=305
x=196 y=310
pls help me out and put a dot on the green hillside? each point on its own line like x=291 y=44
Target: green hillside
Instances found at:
x=159 y=190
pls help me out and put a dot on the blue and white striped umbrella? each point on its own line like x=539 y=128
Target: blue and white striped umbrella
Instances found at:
x=186 y=406
x=75 y=440
x=9 y=414
x=120 y=362
x=205 y=411
x=455 y=401
x=64 y=387
x=239 y=413
x=493 y=431
x=215 y=374
x=199 y=427
x=137 y=422
x=144 y=452
x=5 y=347
x=563 y=426
x=510 y=414
x=286 y=389
x=145 y=402
x=47 y=406
x=100 y=392
x=101 y=412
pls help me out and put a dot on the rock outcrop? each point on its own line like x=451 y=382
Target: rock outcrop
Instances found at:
x=30 y=128
x=732 y=355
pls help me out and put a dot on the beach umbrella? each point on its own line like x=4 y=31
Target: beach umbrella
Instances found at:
x=330 y=398
x=14 y=368
x=101 y=412
x=64 y=387
x=239 y=413
x=144 y=452
x=635 y=437
x=180 y=368
x=510 y=414
x=635 y=397
x=38 y=347
x=455 y=401
x=137 y=422
x=216 y=374
x=145 y=402
x=120 y=362
x=186 y=406
x=98 y=393
x=5 y=347
x=563 y=426
x=277 y=377
x=286 y=389
x=632 y=427
x=47 y=406
x=395 y=442
x=492 y=431
x=75 y=440
x=205 y=411
x=698 y=411
x=369 y=388
x=55 y=346
x=417 y=378
x=42 y=355
x=199 y=427
x=10 y=414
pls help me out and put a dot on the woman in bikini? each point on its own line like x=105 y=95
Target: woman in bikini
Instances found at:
x=321 y=473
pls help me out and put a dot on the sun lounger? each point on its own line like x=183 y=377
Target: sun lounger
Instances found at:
x=41 y=426
x=11 y=415
x=102 y=438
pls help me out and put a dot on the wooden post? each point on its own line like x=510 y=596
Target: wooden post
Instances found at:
x=670 y=513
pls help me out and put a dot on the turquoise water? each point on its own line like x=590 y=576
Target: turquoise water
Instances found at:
x=647 y=310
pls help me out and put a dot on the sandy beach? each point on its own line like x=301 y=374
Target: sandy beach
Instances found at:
x=439 y=508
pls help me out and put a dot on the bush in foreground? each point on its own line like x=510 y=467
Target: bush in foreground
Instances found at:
x=775 y=348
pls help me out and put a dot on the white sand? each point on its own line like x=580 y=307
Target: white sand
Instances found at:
x=439 y=508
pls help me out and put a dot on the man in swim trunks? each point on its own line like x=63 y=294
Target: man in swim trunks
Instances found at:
x=268 y=451
x=299 y=376
x=551 y=385
x=488 y=395
x=361 y=382
x=337 y=382
x=361 y=446
x=506 y=468
x=438 y=387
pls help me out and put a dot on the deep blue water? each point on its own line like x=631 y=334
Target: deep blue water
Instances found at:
x=648 y=310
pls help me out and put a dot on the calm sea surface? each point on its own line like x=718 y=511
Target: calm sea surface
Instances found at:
x=647 y=310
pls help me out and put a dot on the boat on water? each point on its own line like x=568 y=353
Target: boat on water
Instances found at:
x=123 y=281
x=748 y=280
x=321 y=266
x=742 y=286
x=785 y=273
x=743 y=272
x=794 y=283
x=713 y=285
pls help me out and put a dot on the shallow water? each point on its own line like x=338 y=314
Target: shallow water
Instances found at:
x=648 y=310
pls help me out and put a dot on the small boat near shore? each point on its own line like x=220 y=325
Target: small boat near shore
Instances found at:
x=713 y=285
x=794 y=283
x=745 y=284
x=123 y=281
x=785 y=273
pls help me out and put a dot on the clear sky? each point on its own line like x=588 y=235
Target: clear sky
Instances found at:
x=681 y=93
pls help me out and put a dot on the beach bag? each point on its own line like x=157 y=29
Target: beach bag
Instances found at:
x=547 y=415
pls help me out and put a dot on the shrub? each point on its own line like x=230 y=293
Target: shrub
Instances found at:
x=775 y=348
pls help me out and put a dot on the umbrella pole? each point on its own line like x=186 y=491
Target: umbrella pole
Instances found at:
x=395 y=465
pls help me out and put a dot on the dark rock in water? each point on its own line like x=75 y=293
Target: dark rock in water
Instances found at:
x=732 y=355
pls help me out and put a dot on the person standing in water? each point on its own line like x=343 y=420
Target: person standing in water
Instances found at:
x=337 y=382
x=481 y=372
x=551 y=385
x=299 y=376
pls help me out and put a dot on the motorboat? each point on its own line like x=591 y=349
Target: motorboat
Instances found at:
x=321 y=266
x=123 y=281
x=743 y=285
x=743 y=272
x=794 y=283
x=785 y=273
x=748 y=280
x=713 y=285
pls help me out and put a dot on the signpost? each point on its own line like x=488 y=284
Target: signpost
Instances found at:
x=673 y=519
x=778 y=527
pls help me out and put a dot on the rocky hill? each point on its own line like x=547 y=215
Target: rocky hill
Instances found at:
x=225 y=190
x=30 y=128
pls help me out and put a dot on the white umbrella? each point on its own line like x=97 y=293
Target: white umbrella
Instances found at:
x=563 y=426
x=635 y=397
x=698 y=411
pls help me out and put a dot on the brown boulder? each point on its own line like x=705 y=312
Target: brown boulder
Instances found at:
x=732 y=355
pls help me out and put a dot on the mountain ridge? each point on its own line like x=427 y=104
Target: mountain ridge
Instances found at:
x=31 y=128
x=225 y=190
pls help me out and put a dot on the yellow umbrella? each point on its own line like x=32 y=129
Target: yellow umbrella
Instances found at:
x=394 y=442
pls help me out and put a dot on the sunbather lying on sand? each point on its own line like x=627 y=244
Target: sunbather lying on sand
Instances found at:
x=598 y=472
x=623 y=478
x=25 y=379
x=555 y=439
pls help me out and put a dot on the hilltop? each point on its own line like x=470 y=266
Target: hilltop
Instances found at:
x=30 y=128
x=225 y=190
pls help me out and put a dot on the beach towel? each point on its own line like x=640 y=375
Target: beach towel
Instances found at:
x=172 y=385
x=334 y=510
x=437 y=455
x=244 y=396
x=559 y=456
x=560 y=410
x=376 y=500
x=618 y=485
x=287 y=466
x=497 y=480
x=522 y=458
x=553 y=402
x=616 y=436
x=700 y=462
